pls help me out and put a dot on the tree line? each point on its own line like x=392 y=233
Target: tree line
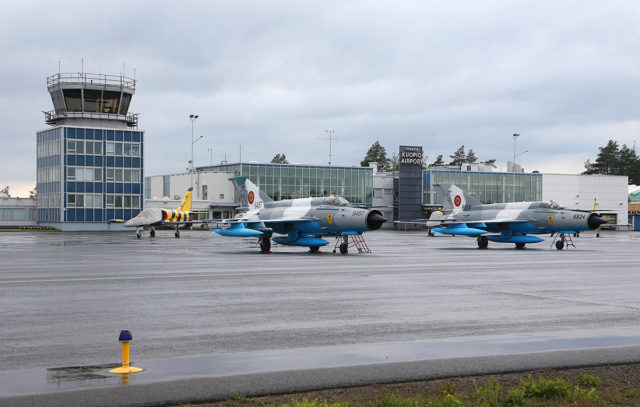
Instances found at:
x=378 y=154
x=615 y=160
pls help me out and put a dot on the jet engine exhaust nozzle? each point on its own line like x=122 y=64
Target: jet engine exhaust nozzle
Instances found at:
x=595 y=221
x=375 y=220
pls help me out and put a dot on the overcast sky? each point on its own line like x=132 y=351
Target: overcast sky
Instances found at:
x=272 y=76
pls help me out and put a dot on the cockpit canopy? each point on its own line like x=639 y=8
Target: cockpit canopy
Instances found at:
x=335 y=200
x=551 y=204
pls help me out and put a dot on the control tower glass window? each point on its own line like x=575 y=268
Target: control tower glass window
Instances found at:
x=110 y=102
x=73 y=99
x=126 y=100
x=92 y=100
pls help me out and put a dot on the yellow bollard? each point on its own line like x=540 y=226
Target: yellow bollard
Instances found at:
x=125 y=338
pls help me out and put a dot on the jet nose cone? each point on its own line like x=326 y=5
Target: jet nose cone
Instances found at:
x=595 y=221
x=375 y=220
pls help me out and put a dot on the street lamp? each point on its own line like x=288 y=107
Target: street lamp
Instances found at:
x=330 y=133
x=193 y=118
x=513 y=165
x=210 y=156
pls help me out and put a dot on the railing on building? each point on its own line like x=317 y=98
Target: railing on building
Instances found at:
x=52 y=117
x=91 y=79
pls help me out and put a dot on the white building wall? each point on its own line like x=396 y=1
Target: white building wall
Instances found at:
x=383 y=195
x=578 y=192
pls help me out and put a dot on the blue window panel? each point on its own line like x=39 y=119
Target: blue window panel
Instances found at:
x=98 y=134
x=71 y=133
x=134 y=212
x=127 y=214
x=97 y=215
x=118 y=162
x=127 y=162
x=66 y=160
x=80 y=133
x=119 y=135
x=97 y=161
x=80 y=160
x=79 y=215
x=71 y=215
x=118 y=188
x=97 y=187
x=135 y=162
x=119 y=214
x=88 y=187
x=71 y=187
x=88 y=215
x=135 y=189
x=127 y=136
x=88 y=134
x=111 y=161
x=88 y=160
x=110 y=188
x=80 y=186
x=127 y=188
x=110 y=214
x=56 y=160
x=110 y=135
x=135 y=136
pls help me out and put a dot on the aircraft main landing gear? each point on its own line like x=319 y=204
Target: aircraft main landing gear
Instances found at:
x=483 y=242
x=139 y=232
x=265 y=244
x=314 y=249
x=152 y=232
x=177 y=234
x=519 y=245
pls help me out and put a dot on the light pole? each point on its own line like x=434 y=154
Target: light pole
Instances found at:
x=330 y=133
x=210 y=156
x=193 y=118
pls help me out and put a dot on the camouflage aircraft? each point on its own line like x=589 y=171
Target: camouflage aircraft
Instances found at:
x=508 y=222
x=302 y=221
x=152 y=217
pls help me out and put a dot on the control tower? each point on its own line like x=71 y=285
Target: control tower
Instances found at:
x=90 y=162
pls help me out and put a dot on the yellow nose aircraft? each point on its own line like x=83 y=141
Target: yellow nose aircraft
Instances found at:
x=153 y=217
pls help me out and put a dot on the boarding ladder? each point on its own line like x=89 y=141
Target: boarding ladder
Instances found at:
x=355 y=240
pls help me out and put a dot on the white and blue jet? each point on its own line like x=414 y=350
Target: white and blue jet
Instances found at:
x=301 y=222
x=507 y=222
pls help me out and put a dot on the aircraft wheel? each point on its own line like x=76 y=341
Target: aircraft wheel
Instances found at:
x=483 y=242
x=152 y=233
x=559 y=245
x=344 y=248
x=314 y=249
x=177 y=234
x=138 y=235
x=265 y=245
x=519 y=245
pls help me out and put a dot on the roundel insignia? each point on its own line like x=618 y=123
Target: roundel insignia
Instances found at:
x=250 y=197
x=457 y=200
x=330 y=218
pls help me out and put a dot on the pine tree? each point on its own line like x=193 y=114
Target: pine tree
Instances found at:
x=471 y=157
x=376 y=154
x=438 y=162
x=458 y=157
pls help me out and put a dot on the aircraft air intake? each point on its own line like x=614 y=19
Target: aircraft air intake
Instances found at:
x=595 y=221
x=375 y=220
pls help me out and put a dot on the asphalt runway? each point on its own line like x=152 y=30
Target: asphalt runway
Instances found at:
x=64 y=297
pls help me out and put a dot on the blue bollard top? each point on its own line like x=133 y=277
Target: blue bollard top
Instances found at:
x=125 y=336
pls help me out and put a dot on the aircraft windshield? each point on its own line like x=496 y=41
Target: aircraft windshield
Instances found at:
x=555 y=205
x=336 y=200
x=544 y=204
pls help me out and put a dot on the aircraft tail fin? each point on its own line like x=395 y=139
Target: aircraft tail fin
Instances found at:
x=593 y=208
x=250 y=195
x=185 y=204
x=455 y=199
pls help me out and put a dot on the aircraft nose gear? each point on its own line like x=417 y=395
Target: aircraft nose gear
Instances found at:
x=138 y=232
x=561 y=241
x=357 y=241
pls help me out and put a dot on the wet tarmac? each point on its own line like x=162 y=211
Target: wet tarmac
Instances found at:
x=65 y=297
